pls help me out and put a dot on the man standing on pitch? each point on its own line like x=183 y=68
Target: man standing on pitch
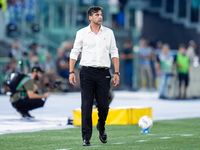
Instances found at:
x=95 y=43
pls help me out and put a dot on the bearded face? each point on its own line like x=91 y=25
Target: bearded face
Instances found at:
x=96 y=18
x=38 y=76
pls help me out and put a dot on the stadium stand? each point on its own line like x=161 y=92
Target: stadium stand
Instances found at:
x=58 y=21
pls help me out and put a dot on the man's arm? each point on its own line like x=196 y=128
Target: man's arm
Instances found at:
x=72 y=76
x=116 y=67
x=116 y=63
x=31 y=88
x=126 y=56
x=175 y=63
x=145 y=56
x=157 y=66
x=130 y=56
x=115 y=58
x=77 y=48
x=33 y=95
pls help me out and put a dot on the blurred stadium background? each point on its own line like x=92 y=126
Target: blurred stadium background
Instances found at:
x=50 y=27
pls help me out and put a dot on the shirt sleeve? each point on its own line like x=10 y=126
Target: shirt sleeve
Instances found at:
x=10 y=55
x=78 y=44
x=157 y=59
x=175 y=58
x=113 y=47
x=29 y=85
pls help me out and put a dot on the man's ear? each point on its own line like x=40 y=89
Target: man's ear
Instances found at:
x=90 y=18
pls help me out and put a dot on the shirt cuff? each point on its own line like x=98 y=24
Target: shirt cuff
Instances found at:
x=73 y=56
x=115 y=55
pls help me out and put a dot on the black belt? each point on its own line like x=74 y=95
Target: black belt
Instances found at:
x=96 y=68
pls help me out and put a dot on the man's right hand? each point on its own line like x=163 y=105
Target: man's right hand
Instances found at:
x=158 y=72
x=72 y=78
x=179 y=65
x=46 y=94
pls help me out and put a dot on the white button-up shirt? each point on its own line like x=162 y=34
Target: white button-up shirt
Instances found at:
x=95 y=49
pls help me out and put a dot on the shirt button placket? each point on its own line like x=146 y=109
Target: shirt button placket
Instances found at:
x=97 y=50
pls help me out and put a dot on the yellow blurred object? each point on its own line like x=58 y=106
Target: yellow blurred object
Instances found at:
x=144 y=83
x=3 y=4
x=116 y=115
x=156 y=83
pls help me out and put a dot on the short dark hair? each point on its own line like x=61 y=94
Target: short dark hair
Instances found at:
x=37 y=69
x=92 y=10
x=182 y=45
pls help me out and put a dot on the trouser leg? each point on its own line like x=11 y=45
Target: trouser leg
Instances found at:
x=28 y=104
x=162 y=85
x=128 y=75
x=142 y=75
x=102 y=94
x=150 y=76
x=87 y=98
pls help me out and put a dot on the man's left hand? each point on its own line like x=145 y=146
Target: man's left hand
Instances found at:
x=116 y=80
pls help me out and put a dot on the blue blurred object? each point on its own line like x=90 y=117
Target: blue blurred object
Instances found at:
x=11 y=29
x=145 y=131
x=120 y=18
x=30 y=17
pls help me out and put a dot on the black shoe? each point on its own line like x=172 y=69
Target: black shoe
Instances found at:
x=27 y=115
x=102 y=134
x=22 y=114
x=162 y=97
x=86 y=142
x=18 y=113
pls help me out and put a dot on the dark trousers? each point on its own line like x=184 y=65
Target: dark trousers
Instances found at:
x=128 y=75
x=27 y=104
x=183 y=77
x=94 y=83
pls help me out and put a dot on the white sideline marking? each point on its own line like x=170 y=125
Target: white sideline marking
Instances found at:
x=142 y=141
x=119 y=143
x=95 y=146
x=183 y=134
x=64 y=149
x=165 y=138
x=12 y=124
x=186 y=134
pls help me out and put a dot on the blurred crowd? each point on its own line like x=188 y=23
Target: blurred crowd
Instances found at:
x=155 y=63
x=143 y=65
x=56 y=69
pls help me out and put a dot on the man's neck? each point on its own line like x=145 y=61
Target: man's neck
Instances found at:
x=95 y=28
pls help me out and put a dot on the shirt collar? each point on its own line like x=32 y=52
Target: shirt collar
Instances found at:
x=89 y=29
x=30 y=76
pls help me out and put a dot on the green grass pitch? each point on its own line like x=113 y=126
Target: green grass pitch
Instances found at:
x=181 y=134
